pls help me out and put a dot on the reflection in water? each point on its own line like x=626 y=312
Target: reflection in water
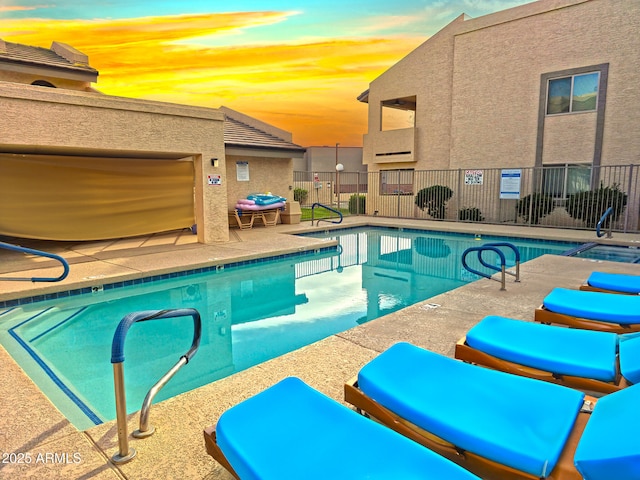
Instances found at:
x=250 y=314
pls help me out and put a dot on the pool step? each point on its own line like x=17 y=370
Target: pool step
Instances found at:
x=35 y=324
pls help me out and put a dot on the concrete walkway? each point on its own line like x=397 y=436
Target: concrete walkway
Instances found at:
x=47 y=446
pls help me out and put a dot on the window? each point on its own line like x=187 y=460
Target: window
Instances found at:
x=575 y=93
x=396 y=182
x=560 y=181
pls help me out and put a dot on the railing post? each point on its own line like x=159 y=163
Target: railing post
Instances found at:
x=125 y=453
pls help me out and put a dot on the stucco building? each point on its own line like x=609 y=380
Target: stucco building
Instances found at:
x=546 y=84
x=79 y=165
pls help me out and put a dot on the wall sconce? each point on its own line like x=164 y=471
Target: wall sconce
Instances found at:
x=214 y=162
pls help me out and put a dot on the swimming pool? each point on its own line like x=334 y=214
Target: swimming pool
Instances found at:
x=251 y=313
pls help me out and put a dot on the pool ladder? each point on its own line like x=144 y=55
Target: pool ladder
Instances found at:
x=320 y=205
x=117 y=359
x=493 y=247
x=608 y=212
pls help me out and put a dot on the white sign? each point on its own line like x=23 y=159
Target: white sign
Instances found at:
x=242 y=171
x=473 y=177
x=510 y=184
x=214 y=179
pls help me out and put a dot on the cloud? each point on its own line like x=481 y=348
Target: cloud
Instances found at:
x=306 y=86
x=16 y=8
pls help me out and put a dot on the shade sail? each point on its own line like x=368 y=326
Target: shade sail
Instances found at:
x=87 y=198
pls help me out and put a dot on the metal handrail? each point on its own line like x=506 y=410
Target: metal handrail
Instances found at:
x=313 y=207
x=602 y=219
x=493 y=247
x=117 y=359
x=17 y=248
x=516 y=254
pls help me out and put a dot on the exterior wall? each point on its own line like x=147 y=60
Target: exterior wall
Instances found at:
x=54 y=121
x=496 y=83
x=478 y=88
x=425 y=73
x=266 y=174
x=323 y=159
x=29 y=78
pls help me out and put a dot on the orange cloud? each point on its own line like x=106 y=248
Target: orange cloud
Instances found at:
x=16 y=8
x=308 y=88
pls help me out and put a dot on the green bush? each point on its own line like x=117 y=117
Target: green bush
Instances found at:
x=471 y=214
x=591 y=205
x=432 y=247
x=433 y=199
x=534 y=207
x=300 y=195
x=357 y=204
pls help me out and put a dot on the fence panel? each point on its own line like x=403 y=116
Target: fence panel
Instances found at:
x=567 y=196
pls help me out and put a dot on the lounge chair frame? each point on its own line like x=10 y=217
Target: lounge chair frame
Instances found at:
x=469 y=354
x=483 y=467
x=543 y=315
x=211 y=444
x=589 y=288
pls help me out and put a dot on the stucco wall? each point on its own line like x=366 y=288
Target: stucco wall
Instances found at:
x=29 y=78
x=496 y=86
x=477 y=85
x=425 y=73
x=54 y=121
x=266 y=174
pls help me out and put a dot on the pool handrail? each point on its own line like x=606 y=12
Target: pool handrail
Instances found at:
x=516 y=254
x=607 y=212
x=17 y=248
x=313 y=207
x=493 y=247
x=117 y=359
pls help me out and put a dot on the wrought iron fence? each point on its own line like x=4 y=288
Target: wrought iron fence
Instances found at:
x=567 y=196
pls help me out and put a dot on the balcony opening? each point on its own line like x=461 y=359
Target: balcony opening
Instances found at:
x=398 y=113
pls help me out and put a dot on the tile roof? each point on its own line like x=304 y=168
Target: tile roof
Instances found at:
x=18 y=53
x=240 y=134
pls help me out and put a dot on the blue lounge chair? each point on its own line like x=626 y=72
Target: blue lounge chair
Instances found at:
x=590 y=310
x=613 y=283
x=592 y=361
x=291 y=431
x=500 y=425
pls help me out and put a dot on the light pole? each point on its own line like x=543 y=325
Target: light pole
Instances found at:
x=339 y=168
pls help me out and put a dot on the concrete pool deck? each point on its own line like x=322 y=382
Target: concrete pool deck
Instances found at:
x=48 y=446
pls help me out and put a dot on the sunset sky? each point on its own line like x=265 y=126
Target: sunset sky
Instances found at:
x=296 y=65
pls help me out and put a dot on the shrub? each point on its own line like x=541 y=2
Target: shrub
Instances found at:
x=300 y=195
x=433 y=199
x=534 y=207
x=471 y=214
x=357 y=204
x=591 y=205
x=432 y=247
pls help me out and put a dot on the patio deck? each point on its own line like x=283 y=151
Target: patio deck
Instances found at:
x=30 y=424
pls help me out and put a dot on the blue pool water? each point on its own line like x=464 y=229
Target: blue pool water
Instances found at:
x=251 y=313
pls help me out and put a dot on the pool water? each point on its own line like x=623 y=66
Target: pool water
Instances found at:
x=250 y=314
x=611 y=253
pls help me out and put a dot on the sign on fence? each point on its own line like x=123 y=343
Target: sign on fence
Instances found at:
x=510 y=184
x=473 y=177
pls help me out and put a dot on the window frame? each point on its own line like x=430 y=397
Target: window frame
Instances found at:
x=384 y=189
x=571 y=92
x=566 y=169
